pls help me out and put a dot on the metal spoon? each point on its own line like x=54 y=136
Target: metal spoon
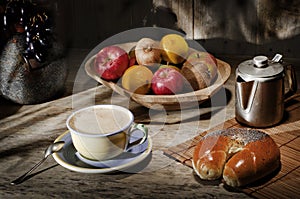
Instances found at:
x=55 y=147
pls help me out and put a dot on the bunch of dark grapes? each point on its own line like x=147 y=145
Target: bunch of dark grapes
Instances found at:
x=38 y=37
x=22 y=17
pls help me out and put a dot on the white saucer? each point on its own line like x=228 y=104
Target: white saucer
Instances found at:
x=68 y=158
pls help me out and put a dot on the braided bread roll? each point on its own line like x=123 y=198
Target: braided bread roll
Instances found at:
x=240 y=156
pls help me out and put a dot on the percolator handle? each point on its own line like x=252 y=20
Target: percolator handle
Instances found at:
x=291 y=80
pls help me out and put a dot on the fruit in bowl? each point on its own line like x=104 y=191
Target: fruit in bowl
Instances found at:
x=169 y=66
x=137 y=79
x=132 y=57
x=174 y=48
x=111 y=62
x=150 y=94
x=148 y=52
x=167 y=81
x=200 y=69
x=177 y=73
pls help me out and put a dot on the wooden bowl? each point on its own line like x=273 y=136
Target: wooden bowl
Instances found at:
x=166 y=102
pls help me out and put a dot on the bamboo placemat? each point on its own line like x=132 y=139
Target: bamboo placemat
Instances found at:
x=284 y=183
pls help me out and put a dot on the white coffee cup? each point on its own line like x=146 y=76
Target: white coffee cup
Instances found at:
x=101 y=132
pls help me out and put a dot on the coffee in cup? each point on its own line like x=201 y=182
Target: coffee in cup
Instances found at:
x=101 y=132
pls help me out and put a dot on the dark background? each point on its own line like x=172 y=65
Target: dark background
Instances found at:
x=222 y=27
x=235 y=27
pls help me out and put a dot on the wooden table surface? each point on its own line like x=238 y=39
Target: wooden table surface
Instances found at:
x=26 y=130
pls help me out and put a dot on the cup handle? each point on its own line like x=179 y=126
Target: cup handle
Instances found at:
x=133 y=128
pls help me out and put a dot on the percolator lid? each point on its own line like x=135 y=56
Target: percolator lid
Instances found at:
x=260 y=67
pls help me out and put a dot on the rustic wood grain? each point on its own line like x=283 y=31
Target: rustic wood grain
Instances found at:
x=186 y=17
x=25 y=132
x=254 y=21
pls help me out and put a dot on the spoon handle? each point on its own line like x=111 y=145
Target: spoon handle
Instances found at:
x=22 y=178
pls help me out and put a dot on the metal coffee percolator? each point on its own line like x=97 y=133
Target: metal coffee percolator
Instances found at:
x=260 y=90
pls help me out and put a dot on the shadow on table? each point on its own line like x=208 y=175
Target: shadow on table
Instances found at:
x=23 y=150
x=136 y=168
x=292 y=110
x=8 y=108
x=36 y=173
x=219 y=101
x=258 y=183
x=204 y=111
x=124 y=173
x=118 y=173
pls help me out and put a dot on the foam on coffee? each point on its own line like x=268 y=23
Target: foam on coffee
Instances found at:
x=99 y=120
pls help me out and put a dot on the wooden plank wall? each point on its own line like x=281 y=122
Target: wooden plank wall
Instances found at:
x=239 y=27
x=84 y=24
x=254 y=21
x=223 y=27
x=184 y=11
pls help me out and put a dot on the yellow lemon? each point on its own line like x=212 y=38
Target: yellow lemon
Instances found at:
x=137 y=79
x=175 y=48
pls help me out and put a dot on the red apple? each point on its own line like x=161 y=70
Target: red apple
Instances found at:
x=111 y=62
x=132 y=61
x=167 y=81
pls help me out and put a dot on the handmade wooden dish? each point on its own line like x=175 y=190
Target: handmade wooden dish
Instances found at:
x=166 y=102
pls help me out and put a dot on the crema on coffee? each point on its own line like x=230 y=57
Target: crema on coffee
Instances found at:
x=99 y=120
